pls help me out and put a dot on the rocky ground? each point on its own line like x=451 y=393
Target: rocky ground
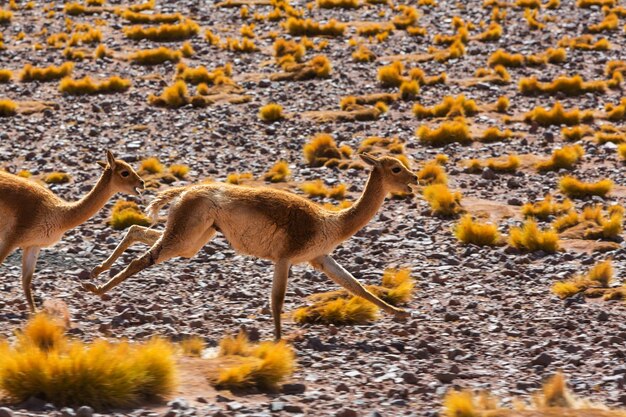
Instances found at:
x=482 y=318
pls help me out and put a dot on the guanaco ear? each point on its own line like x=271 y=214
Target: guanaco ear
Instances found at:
x=110 y=159
x=368 y=159
x=102 y=164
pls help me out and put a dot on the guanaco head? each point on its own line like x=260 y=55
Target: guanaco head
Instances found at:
x=395 y=175
x=123 y=178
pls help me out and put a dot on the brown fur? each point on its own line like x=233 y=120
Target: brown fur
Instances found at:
x=33 y=217
x=263 y=222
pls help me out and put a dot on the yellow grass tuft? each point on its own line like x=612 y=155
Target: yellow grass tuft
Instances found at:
x=600 y=275
x=576 y=133
x=408 y=17
x=57 y=178
x=244 y=365
x=529 y=238
x=432 y=173
x=481 y=234
x=459 y=404
x=99 y=374
x=5 y=16
x=566 y=221
x=585 y=43
x=7 y=108
x=237 y=178
x=271 y=112
x=179 y=171
x=449 y=107
x=322 y=150
x=363 y=54
x=218 y=76
x=318 y=189
x=446 y=133
x=155 y=56
x=409 y=89
x=341 y=307
x=442 y=201
x=338 y=4
x=134 y=17
x=192 y=346
x=88 y=86
x=557 y=116
x=621 y=151
x=616 y=112
x=391 y=75
x=279 y=172
x=547 y=207
x=164 y=33
x=574 y=188
x=565 y=158
x=51 y=73
x=307 y=27
x=173 y=96
x=570 y=86
x=493 y=134
x=283 y=47
x=127 y=213
x=5 y=75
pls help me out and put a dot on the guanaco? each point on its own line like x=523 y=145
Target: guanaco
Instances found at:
x=33 y=217
x=263 y=222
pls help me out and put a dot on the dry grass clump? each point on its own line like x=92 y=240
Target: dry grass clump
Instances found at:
x=616 y=112
x=576 y=133
x=283 y=47
x=507 y=165
x=600 y=275
x=102 y=51
x=391 y=75
x=127 y=213
x=558 y=116
x=318 y=189
x=621 y=151
x=179 y=171
x=244 y=45
x=408 y=17
x=237 y=178
x=271 y=112
x=585 y=43
x=201 y=75
x=493 y=134
x=308 y=27
x=590 y=3
x=547 y=207
x=553 y=400
x=7 y=108
x=192 y=346
x=449 y=107
x=446 y=133
x=531 y=16
x=501 y=57
x=492 y=33
x=51 y=73
x=279 y=172
x=570 y=86
x=134 y=17
x=505 y=59
x=338 y=4
x=432 y=173
x=469 y=231
x=241 y=364
x=363 y=54
x=317 y=67
x=574 y=188
x=155 y=56
x=443 y=202
x=342 y=308
x=565 y=158
x=529 y=238
x=409 y=89
x=57 y=178
x=45 y=364
x=164 y=33
x=322 y=150
x=609 y=23
x=77 y=9
x=151 y=166
x=5 y=16
x=173 y=96
x=88 y=86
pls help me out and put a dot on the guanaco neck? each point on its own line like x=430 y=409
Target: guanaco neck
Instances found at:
x=354 y=218
x=78 y=212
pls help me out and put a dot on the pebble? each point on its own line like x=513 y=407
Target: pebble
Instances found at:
x=84 y=411
x=6 y=412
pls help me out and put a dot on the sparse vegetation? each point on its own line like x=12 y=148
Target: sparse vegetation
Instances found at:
x=481 y=234
x=164 y=33
x=432 y=173
x=155 y=56
x=322 y=150
x=558 y=116
x=241 y=364
x=443 y=202
x=127 y=213
x=574 y=188
x=57 y=178
x=542 y=210
x=308 y=27
x=51 y=73
x=88 y=86
x=571 y=86
x=271 y=112
x=449 y=107
x=7 y=108
x=529 y=238
x=600 y=275
x=565 y=158
x=447 y=132
x=279 y=172
x=192 y=346
x=44 y=363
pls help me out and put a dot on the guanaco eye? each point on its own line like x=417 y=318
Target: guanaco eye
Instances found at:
x=396 y=170
x=125 y=174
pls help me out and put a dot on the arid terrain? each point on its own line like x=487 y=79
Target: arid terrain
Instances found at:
x=482 y=317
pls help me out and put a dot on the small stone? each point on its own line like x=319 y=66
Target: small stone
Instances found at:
x=276 y=406
x=84 y=411
x=342 y=388
x=346 y=412
x=451 y=317
x=291 y=389
x=410 y=378
x=445 y=377
x=544 y=359
x=603 y=316
x=294 y=408
x=178 y=404
x=488 y=174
